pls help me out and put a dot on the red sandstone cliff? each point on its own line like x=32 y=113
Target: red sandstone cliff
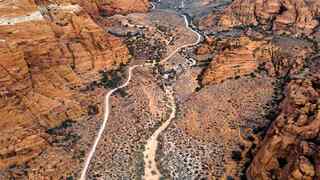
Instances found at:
x=112 y=7
x=49 y=51
x=290 y=149
x=247 y=54
x=281 y=16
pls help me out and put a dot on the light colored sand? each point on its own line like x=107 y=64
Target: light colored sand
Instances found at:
x=35 y=16
x=68 y=8
x=151 y=171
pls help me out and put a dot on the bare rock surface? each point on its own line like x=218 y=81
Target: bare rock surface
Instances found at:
x=291 y=146
x=289 y=149
x=122 y=6
x=50 y=54
x=297 y=17
x=245 y=55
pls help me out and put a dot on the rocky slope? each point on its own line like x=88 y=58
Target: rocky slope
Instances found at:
x=297 y=17
x=291 y=147
x=111 y=7
x=50 y=52
x=264 y=40
x=251 y=52
x=237 y=57
x=219 y=126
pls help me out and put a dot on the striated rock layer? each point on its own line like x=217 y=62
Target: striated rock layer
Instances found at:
x=291 y=147
x=50 y=51
x=243 y=76
x=111 y=7
x=247 y=54
x=238 y=57
x=298 y=17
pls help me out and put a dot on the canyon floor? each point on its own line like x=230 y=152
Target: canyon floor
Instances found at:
x=166 y=89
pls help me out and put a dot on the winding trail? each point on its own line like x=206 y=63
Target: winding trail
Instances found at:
x=104 y=123
x=152 y=142
x=151 y=171
x=199 y=37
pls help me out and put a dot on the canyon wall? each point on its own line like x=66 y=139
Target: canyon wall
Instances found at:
x=50 y=52
x=290 y=148
x=291 y=17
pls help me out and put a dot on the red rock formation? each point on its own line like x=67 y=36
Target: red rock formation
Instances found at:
x=48 y=52
x=282 y=16
x=111 y=7
x=241 y=56
x=236 y=59
x=203 y=49
x=291 y=147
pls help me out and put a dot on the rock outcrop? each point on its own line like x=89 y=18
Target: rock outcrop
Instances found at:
x=237 y=57
x=247 y=54
x=50 y=51
x=291 y=147
x=111 y=7
x=297 y=17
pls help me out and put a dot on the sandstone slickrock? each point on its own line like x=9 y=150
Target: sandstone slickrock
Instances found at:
x=111 y=7
x=297 y=17
x=247 y=54
x=291 y=147
x=50 y=51
x=237 y=58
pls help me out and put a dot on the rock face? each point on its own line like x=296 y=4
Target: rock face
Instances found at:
x=49 y=52
x=238 y=57
x=244 y=66
x=111 y=7
x=244 y=55
x=282 y=16
x=291 y=147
